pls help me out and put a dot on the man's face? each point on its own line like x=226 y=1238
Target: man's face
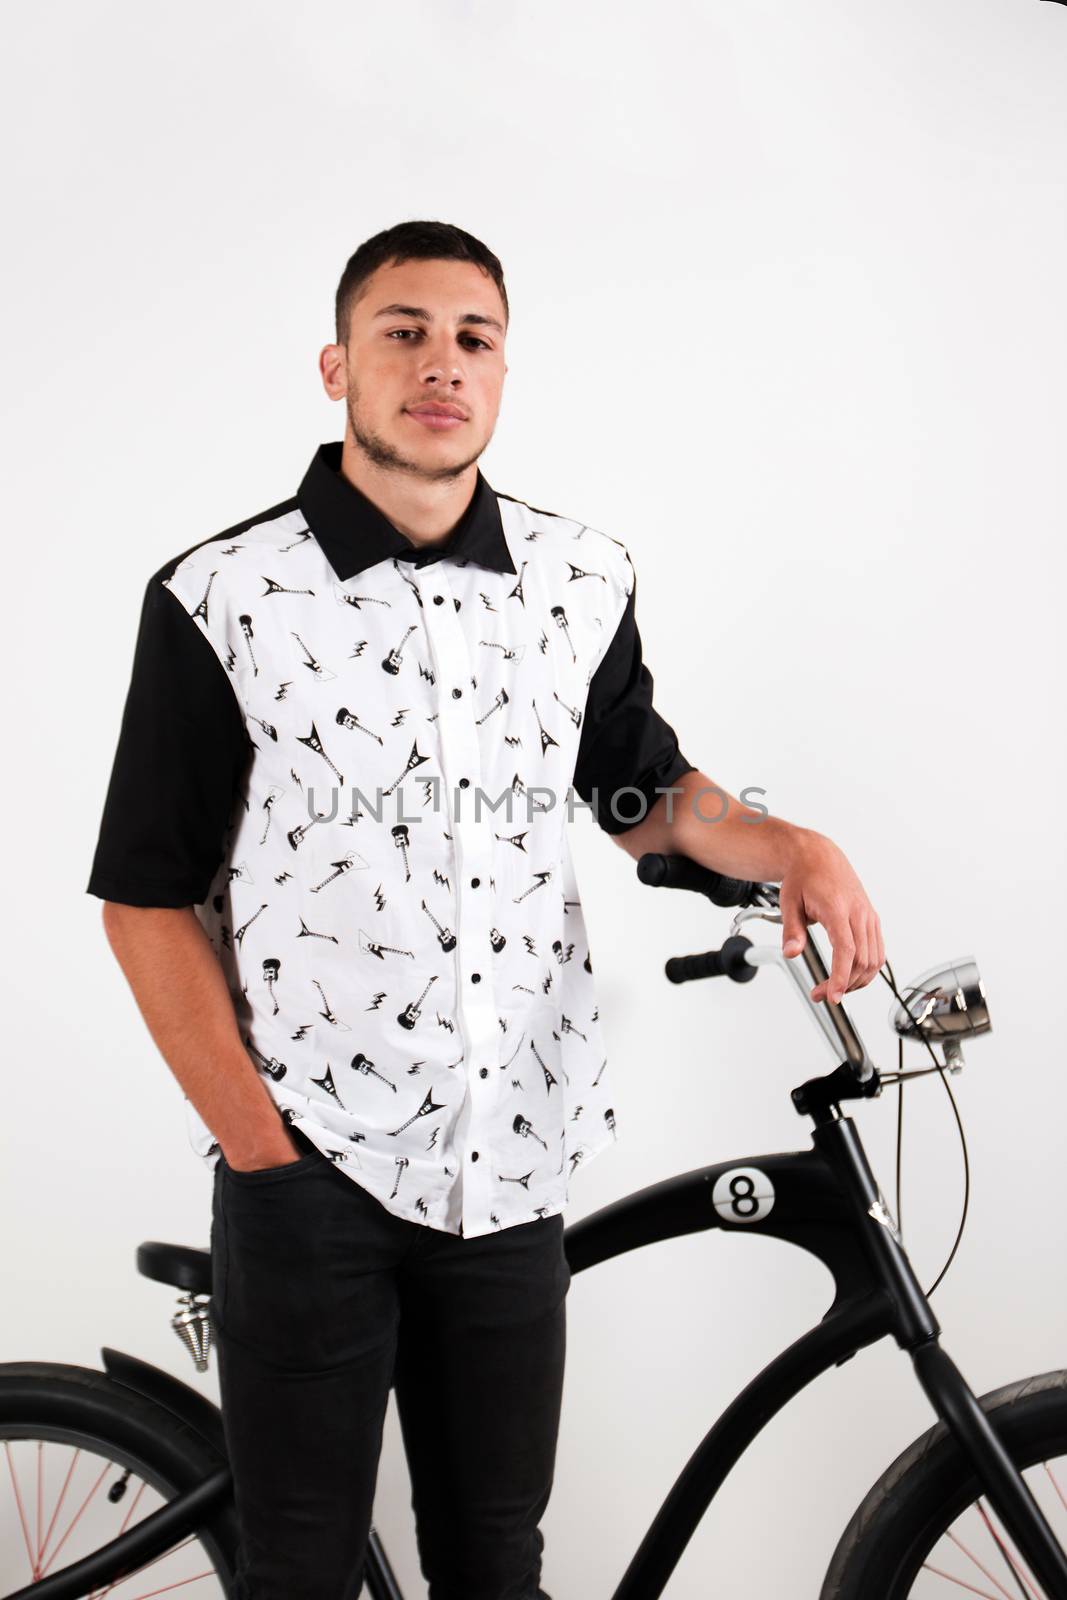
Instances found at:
x=426 y=339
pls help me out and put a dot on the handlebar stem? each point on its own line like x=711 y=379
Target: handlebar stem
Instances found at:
x=833 y=1022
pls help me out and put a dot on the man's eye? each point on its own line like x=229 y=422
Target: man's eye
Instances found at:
x=399 y=333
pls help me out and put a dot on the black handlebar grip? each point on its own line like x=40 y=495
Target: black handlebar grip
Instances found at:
x=729 y=962
x=680 y=969
x=681 y=872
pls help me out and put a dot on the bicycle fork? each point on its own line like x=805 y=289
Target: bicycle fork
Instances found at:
x=917 y=1331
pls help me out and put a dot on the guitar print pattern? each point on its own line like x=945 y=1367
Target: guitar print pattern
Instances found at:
x=411 y=971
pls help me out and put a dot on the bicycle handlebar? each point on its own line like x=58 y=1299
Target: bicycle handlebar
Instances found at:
x=739 y=959
x=681 y=872
x=729 y=962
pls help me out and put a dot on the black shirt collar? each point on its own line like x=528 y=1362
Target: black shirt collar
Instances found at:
x=354 y=534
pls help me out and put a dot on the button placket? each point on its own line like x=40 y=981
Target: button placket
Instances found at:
x=473 y=847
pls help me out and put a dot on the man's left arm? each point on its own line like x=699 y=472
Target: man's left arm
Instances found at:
x=818 y=884
x=627 y=747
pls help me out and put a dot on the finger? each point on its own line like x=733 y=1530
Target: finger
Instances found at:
x=832 y=988
x=794 y=927
x=873 y=964
x=841 y=969
x=874 y=947
x=860 y=973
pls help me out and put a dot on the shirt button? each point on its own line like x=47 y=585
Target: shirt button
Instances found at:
x=483 y=1072
x=438 y=599
x=456 y=693
x=474 y=1155
x=476 y=977
x=475 y=882
x=464 y=783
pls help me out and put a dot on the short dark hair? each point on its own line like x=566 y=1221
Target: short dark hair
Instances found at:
x=411 y=241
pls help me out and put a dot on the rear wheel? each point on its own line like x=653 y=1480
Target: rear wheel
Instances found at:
x=926 y=1532
x=83 y=1459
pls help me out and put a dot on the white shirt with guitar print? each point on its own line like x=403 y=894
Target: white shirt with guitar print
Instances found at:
x=397 y=913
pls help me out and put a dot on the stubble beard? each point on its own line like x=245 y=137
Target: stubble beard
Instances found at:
x=389 y=458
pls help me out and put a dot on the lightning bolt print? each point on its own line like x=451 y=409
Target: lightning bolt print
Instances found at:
x=421 y=997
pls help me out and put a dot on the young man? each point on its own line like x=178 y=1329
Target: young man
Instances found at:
x=336 y=875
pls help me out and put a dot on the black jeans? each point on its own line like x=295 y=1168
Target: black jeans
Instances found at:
x=321 y=1299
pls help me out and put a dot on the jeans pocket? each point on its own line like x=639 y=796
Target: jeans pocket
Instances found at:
x=273 y=1174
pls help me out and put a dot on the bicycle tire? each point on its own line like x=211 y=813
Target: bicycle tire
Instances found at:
x=881 y=1553
x=79 y=1405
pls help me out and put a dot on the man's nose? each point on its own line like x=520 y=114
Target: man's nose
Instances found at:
x=442 y=364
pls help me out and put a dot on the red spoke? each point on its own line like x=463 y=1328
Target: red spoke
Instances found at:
x=180 y=1584
x=62 y=1497
x=40 y=1491
x=1012 y=1557
x=98 y=1594
x=34 y=1572
x=168 y=1587
x=1055 y=1484
x=970 y=1588
x=983 y=1570
x=107 y=1467
x=39 y=1571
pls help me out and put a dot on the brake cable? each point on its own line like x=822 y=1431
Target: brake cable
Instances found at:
x=899 y=1078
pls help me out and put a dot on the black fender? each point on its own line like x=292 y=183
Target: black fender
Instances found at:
x=187 y=1404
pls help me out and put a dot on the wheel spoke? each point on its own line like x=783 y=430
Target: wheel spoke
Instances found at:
x=59 y=1502
x=122 y=1529
x=1055 y=1484
x=138 y=1572
x=40 y=1491
x=969 y=1553
x=46 y=1530
x=34 y=1572
x=167 y=1588
x=960 y=1583
x=1026 y=1587
x=105 y=1469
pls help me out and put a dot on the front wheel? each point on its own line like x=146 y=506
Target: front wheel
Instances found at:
x=83 y=1459
x=926 y=1532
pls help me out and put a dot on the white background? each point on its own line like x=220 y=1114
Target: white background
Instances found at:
x=786 y=321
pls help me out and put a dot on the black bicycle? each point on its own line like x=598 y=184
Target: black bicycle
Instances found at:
x=119 y=1482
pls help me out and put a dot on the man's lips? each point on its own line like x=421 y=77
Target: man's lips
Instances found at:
x=430 y=418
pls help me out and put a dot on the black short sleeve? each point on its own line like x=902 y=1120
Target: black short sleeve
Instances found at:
x=181 y=754
x=624 y=743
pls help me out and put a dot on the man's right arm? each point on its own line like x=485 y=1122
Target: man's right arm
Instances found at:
x=181 y=991
x=181 y=756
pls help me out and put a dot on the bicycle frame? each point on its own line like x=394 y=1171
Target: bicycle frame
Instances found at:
x=825 y=1201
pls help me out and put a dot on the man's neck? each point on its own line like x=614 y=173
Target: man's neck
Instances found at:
x=423 y=510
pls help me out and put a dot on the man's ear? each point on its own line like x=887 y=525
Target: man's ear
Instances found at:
x=333 y=369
